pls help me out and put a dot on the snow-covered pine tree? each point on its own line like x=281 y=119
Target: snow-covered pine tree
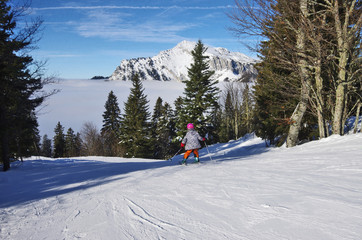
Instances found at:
x=200 y=94
x=135 y=127
x=111 y=126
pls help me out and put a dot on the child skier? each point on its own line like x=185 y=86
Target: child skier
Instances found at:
x=191 y=142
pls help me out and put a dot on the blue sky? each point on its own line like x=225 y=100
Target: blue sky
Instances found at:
x=85 y=38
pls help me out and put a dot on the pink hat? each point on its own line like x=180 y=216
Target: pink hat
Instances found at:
x=190 y=126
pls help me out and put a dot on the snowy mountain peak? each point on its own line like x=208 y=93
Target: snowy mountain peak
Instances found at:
x=173 y=64
x=188 y=45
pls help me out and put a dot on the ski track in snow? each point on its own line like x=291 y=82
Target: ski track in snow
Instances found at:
x=247 y=191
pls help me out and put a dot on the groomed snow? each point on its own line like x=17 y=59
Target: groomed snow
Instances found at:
x=242 y=190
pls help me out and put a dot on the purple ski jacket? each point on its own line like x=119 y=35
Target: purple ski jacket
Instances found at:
x=192 y=140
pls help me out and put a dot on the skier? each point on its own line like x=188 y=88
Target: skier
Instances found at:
x=191 y=142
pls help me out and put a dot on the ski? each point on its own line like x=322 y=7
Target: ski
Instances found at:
x=182 y=163
x=187 y=163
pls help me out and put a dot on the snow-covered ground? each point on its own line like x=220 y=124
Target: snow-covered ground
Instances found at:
x=242 y=190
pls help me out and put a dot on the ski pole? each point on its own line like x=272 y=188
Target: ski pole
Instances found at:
x=207 y=148
x=174 y=155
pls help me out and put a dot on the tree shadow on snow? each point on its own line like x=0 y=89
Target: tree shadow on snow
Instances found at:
x=40 y=179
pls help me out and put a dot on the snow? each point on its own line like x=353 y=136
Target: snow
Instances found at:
x=215 y=51
x=242 y=190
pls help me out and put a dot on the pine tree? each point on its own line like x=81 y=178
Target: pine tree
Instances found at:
x=181 y=118
x=157 y=144
x=275 y=101
x=226 y=132
x=70 y=147
x=212 y=131
x=135 y=128
x=247 y=110
x=163 y=130
x=200 y=94
x=168 y=132
x=26 y=139
x=157 y=111
x=233 y=111
x=281 y=88
x=46 y=146
x=59 y=141
x=78 y=145
x=229 y=117
x=111 y=126
x=18 y=99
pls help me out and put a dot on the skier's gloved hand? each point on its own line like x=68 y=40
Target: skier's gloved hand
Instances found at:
x=203 y=139
x=182 y=145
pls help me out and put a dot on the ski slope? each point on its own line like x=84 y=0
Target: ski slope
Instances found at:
x=242 y=190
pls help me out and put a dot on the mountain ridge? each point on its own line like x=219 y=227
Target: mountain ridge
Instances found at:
x=172 y=65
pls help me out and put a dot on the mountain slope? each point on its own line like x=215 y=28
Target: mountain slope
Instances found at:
x=309 y=192
x=171 y=65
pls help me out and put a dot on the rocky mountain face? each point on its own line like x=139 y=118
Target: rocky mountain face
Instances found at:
x=173 y=64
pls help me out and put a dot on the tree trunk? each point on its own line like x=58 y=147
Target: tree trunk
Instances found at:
x=338 y=124
x=5 y=152
x=297 y=117
x=228 y=123
x=301 y=108
x=319 y=92
x=338 y=110
x=318 y=100
x=236 y=124
x=343 y=44
x=321 y=125
x=4 y=140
